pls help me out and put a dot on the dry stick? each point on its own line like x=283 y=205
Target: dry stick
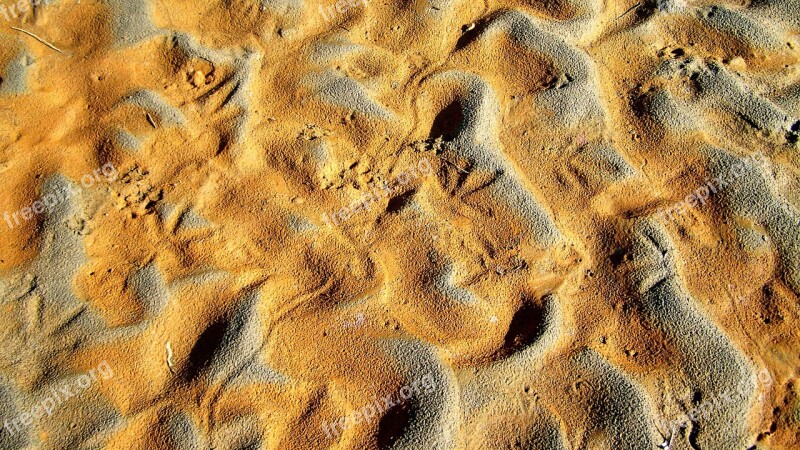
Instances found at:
x=627 y=11
x=38 y=39
x=454 y=165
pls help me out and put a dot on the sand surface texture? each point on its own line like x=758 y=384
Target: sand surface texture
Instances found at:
x=399 y=224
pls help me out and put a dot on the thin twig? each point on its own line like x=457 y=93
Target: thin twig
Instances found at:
x=627 y=11
x=454 y=165
x=38 y=39
x=151 y=121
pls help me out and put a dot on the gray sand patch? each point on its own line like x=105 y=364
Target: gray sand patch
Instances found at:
x=347 y=93
x=740 y=25
x=148 y=285
x=131 y=22
x=15 y=75
x=618 y=406
x=126 y=140
x=434 y=422
x=182 y=432
x=711 y=363
x=152 y=102
x=190 y=219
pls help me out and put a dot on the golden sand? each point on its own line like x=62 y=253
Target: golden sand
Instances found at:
x=426 y=224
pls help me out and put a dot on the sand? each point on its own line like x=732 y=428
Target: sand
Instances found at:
x=428 y=224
